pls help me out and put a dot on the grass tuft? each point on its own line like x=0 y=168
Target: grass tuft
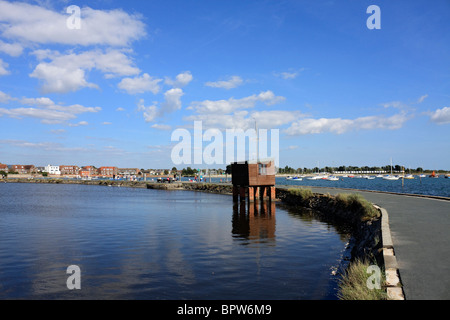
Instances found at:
x=357 y=203
x=304 y=194
x=353 y=284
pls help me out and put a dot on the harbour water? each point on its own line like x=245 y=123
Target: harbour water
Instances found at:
x=421 y=186
x=161 y=245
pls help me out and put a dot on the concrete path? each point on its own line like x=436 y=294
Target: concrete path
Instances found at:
x=420 y=230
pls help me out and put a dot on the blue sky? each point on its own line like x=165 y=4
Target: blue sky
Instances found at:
x=113 y=91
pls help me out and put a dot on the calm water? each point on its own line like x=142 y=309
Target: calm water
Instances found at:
x=151 y=244
x=424 y=186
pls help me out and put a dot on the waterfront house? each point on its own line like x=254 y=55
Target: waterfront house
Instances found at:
x=127 y=172
x=23 y=169
x=108 y=171
x=69 y=170
x=88 y=171
x=3 y=167
x=52 y=170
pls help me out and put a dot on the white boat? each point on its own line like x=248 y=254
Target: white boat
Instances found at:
x=294 y=178
x=370 y=178
x=409 y=176
x=332 y=178
x=390 y=176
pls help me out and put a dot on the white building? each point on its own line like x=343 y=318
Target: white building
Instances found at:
x=53 y=170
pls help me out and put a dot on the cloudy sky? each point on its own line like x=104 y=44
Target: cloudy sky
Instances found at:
x=111 y=87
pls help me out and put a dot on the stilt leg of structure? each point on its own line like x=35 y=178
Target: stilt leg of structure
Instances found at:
x=235 y=193
x=257 y=193
x=264 y=193
x=242 y=192
x=251 y=194
x=272 y=193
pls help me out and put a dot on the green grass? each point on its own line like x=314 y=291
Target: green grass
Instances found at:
x=353 y=284
x=357 y=203
x=304 y=194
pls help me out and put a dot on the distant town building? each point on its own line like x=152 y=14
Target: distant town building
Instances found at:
x=128 y=171
x=52 y=170
x=3 y=167
x=69 y=170
x=88 y=171
x=23 y=169
x=108 y=171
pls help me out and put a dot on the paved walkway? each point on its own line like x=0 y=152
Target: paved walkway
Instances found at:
x=420 y=230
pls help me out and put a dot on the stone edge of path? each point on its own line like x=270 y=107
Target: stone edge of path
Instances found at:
x=394 y=285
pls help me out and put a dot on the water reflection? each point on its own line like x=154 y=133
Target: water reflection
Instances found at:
x=254 y=221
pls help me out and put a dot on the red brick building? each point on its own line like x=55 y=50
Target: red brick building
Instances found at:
x=23 y=169
x=3 y=167
x=108 y=171
x=88 y=171
x=69 y=170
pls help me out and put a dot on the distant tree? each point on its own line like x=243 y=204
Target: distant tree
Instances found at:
x=419 y=169
x=188 y=172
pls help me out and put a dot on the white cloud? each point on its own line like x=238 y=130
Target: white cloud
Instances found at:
x=172 y=103
x=106 y=123
x=67 y=72
x=422 y=98
x=395 y=105
x=161 y=126
x=149 y=112
x=172 y=100
x=233 y=82
x=3 y=68
x=441 y=116
x=60 y=79
x=12 y=49
x=120 y=109
x=141 y=84
x=292 y=74
x=46 y=116
x=35 y=24
x=4 y=98
x=274 y=118
x=243 y=119
x=46 y=110
x=181 y=80
x=289 y=75
x=81 y=123
x=230 y=105
x=340 y=126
